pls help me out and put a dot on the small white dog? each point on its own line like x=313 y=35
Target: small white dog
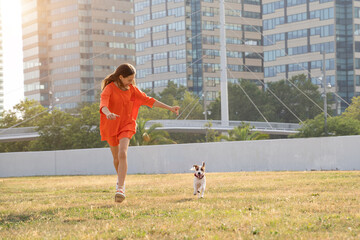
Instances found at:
x=199 y=180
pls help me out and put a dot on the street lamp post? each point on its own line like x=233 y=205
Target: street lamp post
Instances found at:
x=223 y=67
x=206 y=112
x=204 y=97
x=324 y=92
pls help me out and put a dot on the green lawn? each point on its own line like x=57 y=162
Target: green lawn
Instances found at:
x=245 y=205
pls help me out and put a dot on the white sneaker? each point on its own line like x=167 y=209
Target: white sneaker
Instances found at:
x=119 y=195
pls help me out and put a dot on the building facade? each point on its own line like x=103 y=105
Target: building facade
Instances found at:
x=1 y=67
x=71 y=45
x=178 y=41
x=297 y=33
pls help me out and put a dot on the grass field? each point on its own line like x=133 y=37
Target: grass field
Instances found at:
x=256 y=205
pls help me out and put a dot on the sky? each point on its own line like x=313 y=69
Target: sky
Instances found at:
x=12 y=53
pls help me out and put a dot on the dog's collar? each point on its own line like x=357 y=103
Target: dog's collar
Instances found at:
x=202 y=176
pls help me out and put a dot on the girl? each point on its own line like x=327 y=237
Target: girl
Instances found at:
x=119 y=105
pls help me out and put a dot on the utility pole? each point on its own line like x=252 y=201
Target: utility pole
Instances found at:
x=223 y=68
x=324 y=92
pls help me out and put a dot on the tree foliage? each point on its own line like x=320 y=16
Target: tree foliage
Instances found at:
x=191 y=106
x=353 y=111
x=291 y=94
x=156 y=136
x=287 y=93
x=58 y=129
x=244 y=133
x=336 y=126
x=24 y=114
x=347 y=123
x=240 y=107
x=27 y=112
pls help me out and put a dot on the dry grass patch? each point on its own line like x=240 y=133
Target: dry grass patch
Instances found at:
x=263 y=205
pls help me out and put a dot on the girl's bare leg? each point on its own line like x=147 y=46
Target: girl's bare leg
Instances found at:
x=115 y=153
x=122 y=165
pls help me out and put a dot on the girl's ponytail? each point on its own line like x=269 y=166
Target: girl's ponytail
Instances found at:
x=107 y=80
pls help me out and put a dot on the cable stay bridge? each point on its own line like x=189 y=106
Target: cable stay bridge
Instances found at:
x=199 y=126
x=177 y=126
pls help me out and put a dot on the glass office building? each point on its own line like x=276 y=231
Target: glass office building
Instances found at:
x=178 y=41
x=71 y=45
x=298 y=32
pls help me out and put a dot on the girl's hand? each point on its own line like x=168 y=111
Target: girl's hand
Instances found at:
x=175 y=109
x=112 y=116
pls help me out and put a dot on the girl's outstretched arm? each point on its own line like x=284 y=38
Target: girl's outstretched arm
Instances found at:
x=174 y=109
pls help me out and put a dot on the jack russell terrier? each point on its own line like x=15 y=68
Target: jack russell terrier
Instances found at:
x=199 y=180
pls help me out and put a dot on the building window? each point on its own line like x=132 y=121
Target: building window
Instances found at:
x=357 y=81
x=271 y=7
x=141 y=5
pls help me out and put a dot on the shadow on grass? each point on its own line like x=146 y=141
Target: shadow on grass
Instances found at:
x=74 y=220
x=15 y=218
x=184 y=200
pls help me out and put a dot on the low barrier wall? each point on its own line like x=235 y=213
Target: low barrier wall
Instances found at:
x=330 y=153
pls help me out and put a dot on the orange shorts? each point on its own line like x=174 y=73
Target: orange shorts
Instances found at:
x=115 y=140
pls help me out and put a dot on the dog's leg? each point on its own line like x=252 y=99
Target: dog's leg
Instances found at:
x=199 y=192
x=195 y=188
x=203 y=189
x=202 y=192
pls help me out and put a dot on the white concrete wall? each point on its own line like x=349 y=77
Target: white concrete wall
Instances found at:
x=331 y=153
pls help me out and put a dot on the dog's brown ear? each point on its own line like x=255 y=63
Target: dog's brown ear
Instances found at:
x=203 y=164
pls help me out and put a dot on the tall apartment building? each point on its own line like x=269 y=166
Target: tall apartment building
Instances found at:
x=1 y=67
x=297 y=32
x=178 y=41
x=71 y=45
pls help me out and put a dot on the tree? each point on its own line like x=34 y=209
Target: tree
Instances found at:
x=244 y=133
x=337 y=126
x=84 y=132
x=53 y=130
x=24 y=114
x=240 y=107
x=160 y=113
x=172 y=93
x=76 y=130
x=191 y=107
x=27 y=112
x=189 y=103
x=291 y=96
x=353 y=111
x=156 y=136
x=211 y=135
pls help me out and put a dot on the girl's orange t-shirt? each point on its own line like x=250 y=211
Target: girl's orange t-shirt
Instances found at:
x=126 y=104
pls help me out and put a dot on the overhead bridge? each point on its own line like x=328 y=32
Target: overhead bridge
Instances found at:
x=18 y=134
x=180 y=126
x=198 y=126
